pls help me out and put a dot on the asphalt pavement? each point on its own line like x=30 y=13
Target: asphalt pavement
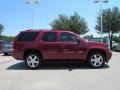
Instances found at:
x=15 y=76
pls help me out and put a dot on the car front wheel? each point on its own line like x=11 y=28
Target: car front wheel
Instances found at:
x=33 y=61
x=96 y=60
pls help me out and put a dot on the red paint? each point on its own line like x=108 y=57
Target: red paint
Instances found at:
x=59 y=50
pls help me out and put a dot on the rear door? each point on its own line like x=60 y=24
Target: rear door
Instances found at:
x=51 y=45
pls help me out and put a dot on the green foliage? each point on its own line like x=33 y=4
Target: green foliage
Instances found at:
x=1 y=30
x=61 y=23
x=111 y=22
x=8 y=38
x=116 y=38
x=88 y=37
x=5 y=38
x=74 y=23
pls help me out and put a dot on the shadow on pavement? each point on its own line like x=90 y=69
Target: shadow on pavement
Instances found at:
x=5 y=55
x=54 y=66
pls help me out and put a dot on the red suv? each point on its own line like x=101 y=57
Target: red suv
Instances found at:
x=38 y=46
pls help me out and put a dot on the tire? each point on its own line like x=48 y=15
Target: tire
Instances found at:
x=5 y=54
x=96 y=60
x=33 y=60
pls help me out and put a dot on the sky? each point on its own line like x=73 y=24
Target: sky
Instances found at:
x=16 y=15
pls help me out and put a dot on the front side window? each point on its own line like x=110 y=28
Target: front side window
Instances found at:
x=67 y=37
x=49 y=37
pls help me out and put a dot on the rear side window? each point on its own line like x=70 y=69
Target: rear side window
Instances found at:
x=27 y=36
x=49 y=37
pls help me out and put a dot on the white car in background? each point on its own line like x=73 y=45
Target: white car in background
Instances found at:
x=2 y=42
x=117 y=48
x=114 y=44
x=7 y=48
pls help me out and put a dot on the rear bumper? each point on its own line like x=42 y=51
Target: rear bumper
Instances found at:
x=17 y=55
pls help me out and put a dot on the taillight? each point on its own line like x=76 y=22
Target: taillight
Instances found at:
x=17 y=45
x=1 y=46
x=42 y=46
x=14 y=46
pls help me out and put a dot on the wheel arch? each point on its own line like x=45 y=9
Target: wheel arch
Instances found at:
x=32 y=51
x=97 y=50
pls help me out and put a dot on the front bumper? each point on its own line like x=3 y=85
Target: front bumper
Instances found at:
x=109 y=55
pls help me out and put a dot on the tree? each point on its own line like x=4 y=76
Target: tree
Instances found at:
x=1 y=30
x=73 y=23
x=88 y=37
x=116 y=38
x=111 y=22
x=61 y=23
x=8 y=38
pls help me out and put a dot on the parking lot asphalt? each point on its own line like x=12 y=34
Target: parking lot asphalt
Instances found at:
x=15 y=76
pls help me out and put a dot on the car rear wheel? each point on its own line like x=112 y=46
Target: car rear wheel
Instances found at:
x=96 y=60
x=5 y=54
x=33 y=61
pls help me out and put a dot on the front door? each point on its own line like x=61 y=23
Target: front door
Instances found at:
x=71 y=48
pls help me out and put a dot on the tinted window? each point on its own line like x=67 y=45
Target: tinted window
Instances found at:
x=49 y=37
x=67 y=37
x=27 y=36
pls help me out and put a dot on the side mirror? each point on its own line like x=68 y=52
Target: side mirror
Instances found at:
x=78 y=40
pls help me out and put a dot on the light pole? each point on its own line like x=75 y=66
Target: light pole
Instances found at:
x=32 y=3
x=101 y=10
